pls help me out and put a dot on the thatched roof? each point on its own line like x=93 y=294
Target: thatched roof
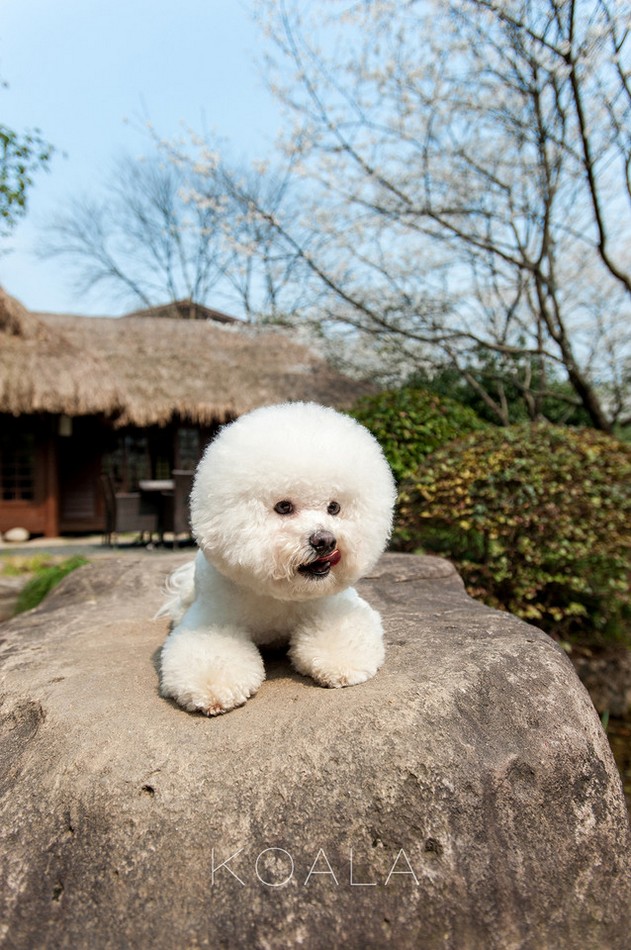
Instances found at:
x=142 y=371
x=42 y=370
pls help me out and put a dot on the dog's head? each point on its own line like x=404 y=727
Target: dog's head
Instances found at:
x=293 y=501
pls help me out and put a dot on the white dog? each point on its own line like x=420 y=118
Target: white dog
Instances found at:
x=291 y=505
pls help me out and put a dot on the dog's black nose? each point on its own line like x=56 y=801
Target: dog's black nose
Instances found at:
x=323 y=542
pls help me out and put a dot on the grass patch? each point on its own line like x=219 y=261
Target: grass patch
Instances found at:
x=47 y=576
x=15 y=564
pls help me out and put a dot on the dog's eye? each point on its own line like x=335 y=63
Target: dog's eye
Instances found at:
x=284 y=507
x=333 y=508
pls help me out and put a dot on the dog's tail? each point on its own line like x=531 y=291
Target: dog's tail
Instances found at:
x=180 y=593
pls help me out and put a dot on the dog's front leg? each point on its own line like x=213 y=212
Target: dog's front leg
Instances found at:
x=341 y=643
x=210 y=669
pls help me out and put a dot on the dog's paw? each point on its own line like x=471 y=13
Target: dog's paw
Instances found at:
x=213 y=695
x=341 y=647
x=335 y=664
x=210 y=672
x=214 y=705
x=336 y=678
x=215 y=709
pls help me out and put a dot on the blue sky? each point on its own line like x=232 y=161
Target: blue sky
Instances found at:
x=88 y=73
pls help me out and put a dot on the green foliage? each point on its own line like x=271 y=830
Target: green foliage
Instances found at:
x=45 y=579
x=409 y=423
x=538 y=521
x=503 y=378
x=20 y=156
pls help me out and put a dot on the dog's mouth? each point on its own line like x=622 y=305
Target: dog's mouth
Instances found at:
x=322 y=565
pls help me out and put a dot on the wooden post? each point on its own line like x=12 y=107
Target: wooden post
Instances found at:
x=51 y=484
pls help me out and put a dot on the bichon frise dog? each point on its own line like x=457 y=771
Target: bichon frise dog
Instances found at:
x=291 y=504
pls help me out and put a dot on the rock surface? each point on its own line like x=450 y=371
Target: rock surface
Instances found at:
x=465 y=798
x=10 y=589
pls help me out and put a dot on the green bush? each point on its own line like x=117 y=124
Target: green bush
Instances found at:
x=46 y=578
x=411 y=423
x=538 y=521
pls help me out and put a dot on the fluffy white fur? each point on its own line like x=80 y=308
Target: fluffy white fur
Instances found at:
x=257 y=578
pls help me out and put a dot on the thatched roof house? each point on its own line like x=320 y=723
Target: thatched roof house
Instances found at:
x=141 y=371
x=138 y=395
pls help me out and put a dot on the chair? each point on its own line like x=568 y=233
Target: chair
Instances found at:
x=125 y=511
x=180 y=521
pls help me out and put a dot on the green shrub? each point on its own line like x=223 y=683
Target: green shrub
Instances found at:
x=502 y=377
x=46 y=578
x=538 y=521
x=411 y=423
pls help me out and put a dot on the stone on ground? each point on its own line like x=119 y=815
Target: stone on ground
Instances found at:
x=464 y=798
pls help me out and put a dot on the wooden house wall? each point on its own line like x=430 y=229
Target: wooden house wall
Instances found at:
x=79 y=464
x=68 y=459
x=36 y=507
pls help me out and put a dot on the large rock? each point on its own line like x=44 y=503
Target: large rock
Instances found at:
x=465 y=798
x=11 y=586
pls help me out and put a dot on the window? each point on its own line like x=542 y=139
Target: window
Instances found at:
x=188 y=450
x=17 y=465
x=129 y=462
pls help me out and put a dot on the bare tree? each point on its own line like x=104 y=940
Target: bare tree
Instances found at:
x=466 y=168
x=265 y=274
x=145 y=239
x=177 y=226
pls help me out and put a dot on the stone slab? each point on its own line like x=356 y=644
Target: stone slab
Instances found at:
x=464 y=798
